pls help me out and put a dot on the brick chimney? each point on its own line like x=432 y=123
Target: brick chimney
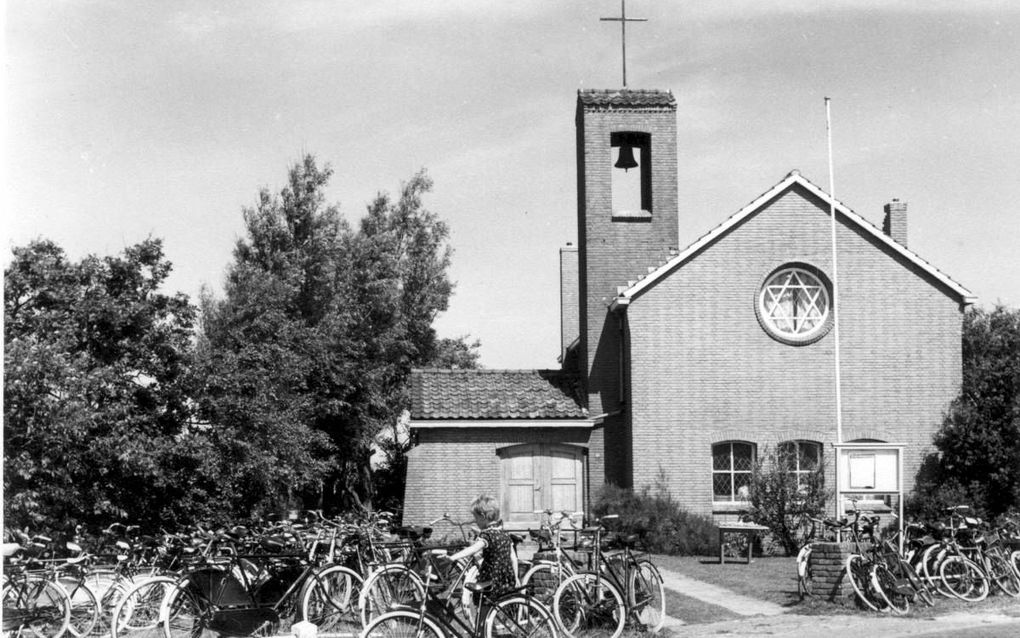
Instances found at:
x=570 y=307
x=895 y=223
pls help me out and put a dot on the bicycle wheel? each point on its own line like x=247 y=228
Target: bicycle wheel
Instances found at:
x=387 y=586
x=519 y=617
x=930 y=561
x=1014 y=561
x=402 y=624
x=185 y=613
x=136 y=614
x=647 y=596
x=964 y=579
x=858 y=572
x=109 y=586
x=1001 y=574
x=329 y=600
x=590 y=606
x=35 y=609
x=84 y=607
x=890 y=588
x=542 y=579
x=805 y=582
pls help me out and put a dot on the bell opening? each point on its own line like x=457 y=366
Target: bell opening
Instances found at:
x=625 y=158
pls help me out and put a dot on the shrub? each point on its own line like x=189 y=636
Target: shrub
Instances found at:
x=664 y=526
x=781 y=501
x=931 y=498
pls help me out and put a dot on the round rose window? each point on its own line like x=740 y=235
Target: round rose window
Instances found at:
x=793 y=305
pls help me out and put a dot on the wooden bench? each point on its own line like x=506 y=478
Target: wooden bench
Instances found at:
x=748 y=530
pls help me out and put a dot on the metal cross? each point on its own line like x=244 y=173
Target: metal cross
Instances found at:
x=623 y=20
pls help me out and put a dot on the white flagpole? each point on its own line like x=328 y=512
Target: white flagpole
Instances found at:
x=835 y=278
x=835 y=311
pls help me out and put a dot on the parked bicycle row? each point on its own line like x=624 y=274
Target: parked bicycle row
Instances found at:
x=961 y=557
x=343 y=577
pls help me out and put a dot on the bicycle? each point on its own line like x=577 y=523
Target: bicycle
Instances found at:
x=33 y=605
x=645 y=593
x=252 y=593
x=959 y=576
x=515 y=614
x=894 y=580
x=858 y=564
x=977 y=566
x=544 y=576
x=591 y=603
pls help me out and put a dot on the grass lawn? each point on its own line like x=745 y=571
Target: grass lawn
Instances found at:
x=771 y=579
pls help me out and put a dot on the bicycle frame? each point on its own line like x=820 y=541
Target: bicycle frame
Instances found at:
x=449 y=620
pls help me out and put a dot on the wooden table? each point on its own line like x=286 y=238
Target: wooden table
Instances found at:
x=749 y=530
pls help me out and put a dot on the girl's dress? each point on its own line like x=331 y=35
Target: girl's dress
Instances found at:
x=497 y=561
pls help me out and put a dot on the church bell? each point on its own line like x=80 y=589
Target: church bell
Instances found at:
x=626 y=158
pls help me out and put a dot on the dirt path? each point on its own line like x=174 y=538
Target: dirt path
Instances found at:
x=762 y=618
x=985 y=624
x=720 y=596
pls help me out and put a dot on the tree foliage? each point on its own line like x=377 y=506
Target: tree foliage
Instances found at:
x=115 y=408
x=95 y=399
x=979 y=442
x=312 y=345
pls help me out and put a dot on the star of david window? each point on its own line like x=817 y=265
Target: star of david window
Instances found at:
x=793 y=305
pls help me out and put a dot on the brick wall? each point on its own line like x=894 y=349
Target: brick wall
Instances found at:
x=569 y=298
x=451 y=466
x=705 y=371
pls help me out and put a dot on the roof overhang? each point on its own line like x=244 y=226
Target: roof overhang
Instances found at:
x=502 y=423
x=624 y=298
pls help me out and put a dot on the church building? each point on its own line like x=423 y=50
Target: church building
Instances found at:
x=680 y=365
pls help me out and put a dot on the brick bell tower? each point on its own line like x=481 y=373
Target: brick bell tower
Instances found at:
x=626 y=222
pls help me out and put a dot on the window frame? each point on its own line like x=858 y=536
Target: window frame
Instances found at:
x=641 y=141
x=732 y=472
x=765 y=315
x=799 y=473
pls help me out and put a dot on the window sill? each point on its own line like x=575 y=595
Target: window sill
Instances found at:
x=730 y=507
x=632 y=216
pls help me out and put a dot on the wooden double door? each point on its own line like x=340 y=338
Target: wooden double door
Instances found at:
x=539 y=476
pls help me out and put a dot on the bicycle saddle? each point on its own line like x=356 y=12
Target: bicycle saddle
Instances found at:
x=412 y=533
x=540 y=535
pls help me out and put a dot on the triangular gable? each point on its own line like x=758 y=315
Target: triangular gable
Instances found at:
x=633 y=289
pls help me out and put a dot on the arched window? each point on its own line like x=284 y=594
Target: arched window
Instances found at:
x=732 y=463
x=802 y=459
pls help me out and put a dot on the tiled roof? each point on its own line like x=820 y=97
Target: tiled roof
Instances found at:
x=495 y=394
x=624 y=98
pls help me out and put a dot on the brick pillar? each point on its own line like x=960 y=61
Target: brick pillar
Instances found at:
x=829 y=581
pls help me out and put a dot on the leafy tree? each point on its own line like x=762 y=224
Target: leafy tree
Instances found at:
x=457 y=354
x=979 y=442
x=783 y=500
x=94 y=390
x=312 y=345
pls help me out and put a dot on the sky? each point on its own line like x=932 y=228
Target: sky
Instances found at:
x=129 y=119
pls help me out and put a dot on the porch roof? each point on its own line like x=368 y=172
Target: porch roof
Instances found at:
x=529 y=395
